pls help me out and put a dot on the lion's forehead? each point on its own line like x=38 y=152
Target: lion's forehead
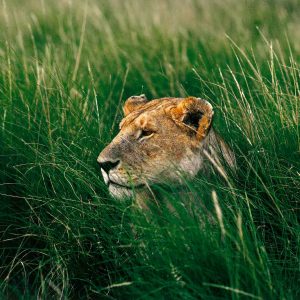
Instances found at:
x=152 y=109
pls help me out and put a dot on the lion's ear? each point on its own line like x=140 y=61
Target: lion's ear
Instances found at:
x=195 y=114
x=133 y=103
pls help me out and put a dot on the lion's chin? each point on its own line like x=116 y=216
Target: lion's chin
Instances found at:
x=119 y=192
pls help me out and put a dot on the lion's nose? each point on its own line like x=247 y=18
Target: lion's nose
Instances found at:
x=108 y=165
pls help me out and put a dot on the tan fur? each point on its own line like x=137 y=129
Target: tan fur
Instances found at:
x=159 y=141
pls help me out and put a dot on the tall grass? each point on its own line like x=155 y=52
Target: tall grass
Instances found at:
x=66 y=68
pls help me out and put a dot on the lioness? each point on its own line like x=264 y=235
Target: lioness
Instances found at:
x=160 y=140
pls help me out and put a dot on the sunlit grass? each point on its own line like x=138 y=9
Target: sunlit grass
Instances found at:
x=66 y=68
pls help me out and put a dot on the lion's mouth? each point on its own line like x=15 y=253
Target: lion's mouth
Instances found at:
x=108 y=181
x=131 y=187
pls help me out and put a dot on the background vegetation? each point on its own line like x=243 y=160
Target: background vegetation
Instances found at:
x=65 y=69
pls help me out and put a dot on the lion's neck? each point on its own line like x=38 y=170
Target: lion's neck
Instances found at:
x=216 y=153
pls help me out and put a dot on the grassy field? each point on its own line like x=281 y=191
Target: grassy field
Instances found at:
x=66 y=67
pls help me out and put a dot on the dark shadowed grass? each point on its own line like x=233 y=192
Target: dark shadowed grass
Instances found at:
x=65 y=70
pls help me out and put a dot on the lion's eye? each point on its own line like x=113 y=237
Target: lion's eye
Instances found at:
x=145 y=133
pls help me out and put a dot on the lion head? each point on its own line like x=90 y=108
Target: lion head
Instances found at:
x=159 y=140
